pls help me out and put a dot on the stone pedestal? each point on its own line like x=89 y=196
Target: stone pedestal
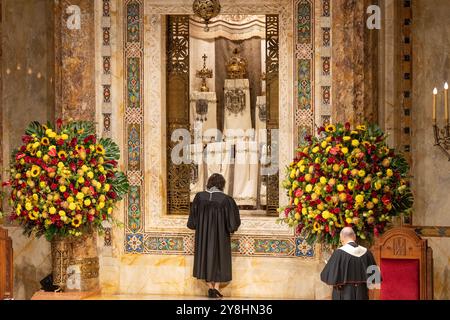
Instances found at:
x=76 y=264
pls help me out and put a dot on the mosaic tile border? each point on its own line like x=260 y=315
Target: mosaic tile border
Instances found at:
x=242 y=245
x=137 y=241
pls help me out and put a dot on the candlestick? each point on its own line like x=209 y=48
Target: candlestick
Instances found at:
x=446 y=102
x=435 y=92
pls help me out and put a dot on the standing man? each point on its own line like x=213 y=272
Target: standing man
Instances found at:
x=214 y=217
x=347 y=270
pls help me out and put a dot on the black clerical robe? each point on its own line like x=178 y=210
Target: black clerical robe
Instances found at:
x=347 y=271
x=214 y=216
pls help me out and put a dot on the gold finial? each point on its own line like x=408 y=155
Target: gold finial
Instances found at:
x=204 y=74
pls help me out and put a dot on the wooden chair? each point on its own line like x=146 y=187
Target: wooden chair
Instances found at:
x=406 y=264
x=6 y=266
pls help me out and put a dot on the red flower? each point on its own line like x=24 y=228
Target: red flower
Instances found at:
x=347 y=126
x=52 y=152
x=60 y=142
x=89 y=138
x=59 y=123
x=73 y=142
x=27 y=139
x=73 y=167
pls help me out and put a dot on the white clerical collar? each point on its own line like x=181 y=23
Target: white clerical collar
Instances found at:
x=213 y=189
x=358 y=251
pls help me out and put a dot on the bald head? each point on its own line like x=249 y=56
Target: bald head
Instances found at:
x=347 y=235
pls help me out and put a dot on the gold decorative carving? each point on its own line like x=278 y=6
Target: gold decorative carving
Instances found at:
x=178 y=176
x=399 y=247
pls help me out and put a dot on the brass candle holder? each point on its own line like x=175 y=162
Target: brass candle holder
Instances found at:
x=442 y=138
x=204 y=74
x=442 y=134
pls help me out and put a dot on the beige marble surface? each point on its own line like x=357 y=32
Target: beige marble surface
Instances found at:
x=278 y=278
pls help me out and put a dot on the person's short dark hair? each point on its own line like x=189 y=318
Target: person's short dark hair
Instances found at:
x=216 y=180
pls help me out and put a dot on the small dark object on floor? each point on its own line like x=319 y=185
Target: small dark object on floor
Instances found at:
x=47 y=284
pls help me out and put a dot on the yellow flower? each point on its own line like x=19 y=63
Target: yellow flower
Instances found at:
x=90 y=175
x=52 y=210
x=359 y=198
x=35 y=171
x=62 y=154
x=101 y=205
x=389 y=173
x=340 y=188
x=304 y=211
x=45 y=141
x=316 y=226
x=323 y=180
x=344 y=150
x=342 y=197
x=315 y=150
x=62 y=213
x=361 y=128
x=35 y=197
x=355 y=143
x=362 y=173
x=102 y=198
x=80 y=195
x=326 y=215
x=350 y=185
x=308 y=188
x=324 y=144
x=39 y=154
x=77 y=220
x=87 y=202
x=18 y=209
x=99 y=149
x=36 y=145
x=347 y=138
x=63 y=188
x=46 y=158
x=377 y=185
x=349 y=220
x=80 y=180
x=33 y=215
x=330 y=128
x=72 y=206
x=64 y=136
x=28 y=206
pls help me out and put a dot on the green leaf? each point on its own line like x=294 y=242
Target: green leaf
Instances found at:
x=35 y=128
x=112 y=150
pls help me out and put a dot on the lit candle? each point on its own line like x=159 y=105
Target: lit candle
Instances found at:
x=446 y=102
x=435 y=92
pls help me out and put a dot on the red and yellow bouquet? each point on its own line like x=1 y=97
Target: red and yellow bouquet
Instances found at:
x=65 y=181
x=345 y=177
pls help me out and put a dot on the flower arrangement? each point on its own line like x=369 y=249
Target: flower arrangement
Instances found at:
x=345 y=177
x=65 y=181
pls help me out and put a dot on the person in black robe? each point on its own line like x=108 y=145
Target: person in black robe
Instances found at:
x=348 y=269
x=214 y=216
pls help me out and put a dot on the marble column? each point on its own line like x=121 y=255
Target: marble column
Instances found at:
x=75 y=100
x=75 y=60
x=354 y=63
